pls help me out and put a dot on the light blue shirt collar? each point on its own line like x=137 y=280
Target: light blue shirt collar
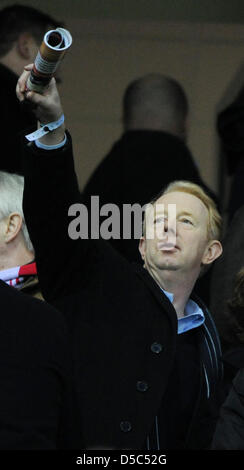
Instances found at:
x=194 y=315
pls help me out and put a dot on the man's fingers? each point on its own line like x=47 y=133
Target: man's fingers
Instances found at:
x=21 y=84
x=20 y=88
x=20 y=91
x=47 y=105
x=51 y=87
x=35 y=98
x=28 y=67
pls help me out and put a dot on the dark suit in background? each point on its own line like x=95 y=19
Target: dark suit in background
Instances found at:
x=21 y=32
x=15 y=118
x=230 y=126
x=223 y=278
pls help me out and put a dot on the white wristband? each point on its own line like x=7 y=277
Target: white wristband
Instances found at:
x=40 y=145
x=45 y=129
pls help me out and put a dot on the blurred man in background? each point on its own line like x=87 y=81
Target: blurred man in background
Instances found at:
x=21 y=31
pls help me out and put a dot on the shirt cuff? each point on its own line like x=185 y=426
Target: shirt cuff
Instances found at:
x=51 y=147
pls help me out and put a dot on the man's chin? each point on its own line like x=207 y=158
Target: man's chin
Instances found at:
x=167 y=265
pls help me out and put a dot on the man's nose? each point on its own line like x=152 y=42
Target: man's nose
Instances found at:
x=170 y=226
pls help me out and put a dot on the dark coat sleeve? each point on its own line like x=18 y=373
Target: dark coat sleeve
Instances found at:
x=51 y=188
x=229 y=433
x=65 y=265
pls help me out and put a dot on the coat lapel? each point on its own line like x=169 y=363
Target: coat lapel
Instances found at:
x=158 y=294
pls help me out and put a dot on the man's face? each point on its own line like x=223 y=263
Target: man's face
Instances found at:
x=186 y=245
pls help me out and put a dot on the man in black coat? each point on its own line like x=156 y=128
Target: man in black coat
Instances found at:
x=139 y=384
x=21 y=31
x=17 y=258
x=151 y=153
x=229 y=433
x=34 y=374
x=223 y=279
x=230 y=125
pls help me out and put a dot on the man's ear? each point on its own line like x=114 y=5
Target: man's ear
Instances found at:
x=25 y=46
x=13 y=226
x=212 y=252
x=142 y=247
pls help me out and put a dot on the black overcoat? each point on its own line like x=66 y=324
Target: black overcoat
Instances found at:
x=35 y=392
x=123 y=328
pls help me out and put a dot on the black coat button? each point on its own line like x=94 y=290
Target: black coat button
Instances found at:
x=125 y=426
x=156 y=348
x=141 y=386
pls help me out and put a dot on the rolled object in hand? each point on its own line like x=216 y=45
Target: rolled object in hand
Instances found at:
x=54 y=45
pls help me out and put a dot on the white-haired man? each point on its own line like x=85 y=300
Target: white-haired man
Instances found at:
x=35 y=392
x=34 y=366
x=17 y=265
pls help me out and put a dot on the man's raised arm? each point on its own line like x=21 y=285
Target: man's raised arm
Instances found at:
x=48 y=107
x=50 y=189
